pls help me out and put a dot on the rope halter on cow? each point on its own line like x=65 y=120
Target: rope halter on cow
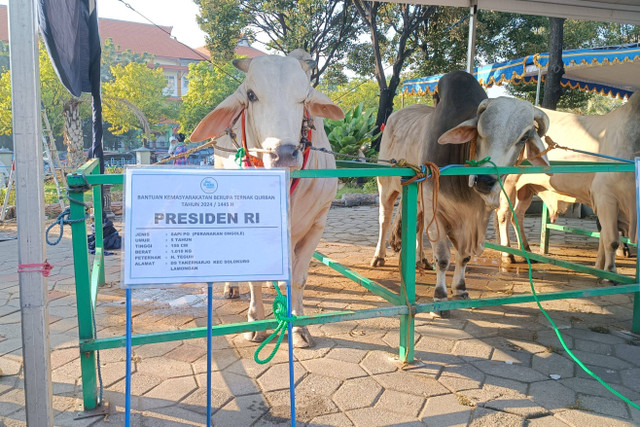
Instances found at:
x=244 y=158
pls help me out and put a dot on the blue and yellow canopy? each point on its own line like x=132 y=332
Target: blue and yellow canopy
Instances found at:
x=613 y=71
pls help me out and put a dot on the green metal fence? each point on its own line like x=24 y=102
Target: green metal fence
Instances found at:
x=89 y=276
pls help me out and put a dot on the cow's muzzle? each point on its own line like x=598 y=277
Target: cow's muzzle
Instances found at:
x=482 y=183
x=284 y=156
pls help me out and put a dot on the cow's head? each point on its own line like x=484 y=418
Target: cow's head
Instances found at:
x=503 y=128
x=274 y=95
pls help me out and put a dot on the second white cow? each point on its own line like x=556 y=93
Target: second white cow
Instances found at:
x=610 y=195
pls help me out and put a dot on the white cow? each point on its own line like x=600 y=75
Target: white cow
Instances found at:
x=274 y=96
x=397 y=144
x=610 y=195
x=502 y=128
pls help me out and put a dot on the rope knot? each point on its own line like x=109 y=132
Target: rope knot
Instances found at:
x=280 y=313
x=480 y=162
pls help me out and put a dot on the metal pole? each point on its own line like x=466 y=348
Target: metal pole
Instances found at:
x=27 y=145
x=471 y=48
x=538 y=86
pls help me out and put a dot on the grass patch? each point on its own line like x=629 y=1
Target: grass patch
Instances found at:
x=369 y=187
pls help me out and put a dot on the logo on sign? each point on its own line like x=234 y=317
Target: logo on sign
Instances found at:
x=209 y=185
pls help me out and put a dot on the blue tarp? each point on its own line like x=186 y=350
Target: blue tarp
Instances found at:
x=613 y=71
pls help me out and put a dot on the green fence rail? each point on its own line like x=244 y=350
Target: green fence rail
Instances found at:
x=89 y=276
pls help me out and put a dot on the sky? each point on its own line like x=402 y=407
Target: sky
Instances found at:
x=179 y=14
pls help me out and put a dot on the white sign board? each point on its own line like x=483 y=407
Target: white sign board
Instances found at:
x=185 y=225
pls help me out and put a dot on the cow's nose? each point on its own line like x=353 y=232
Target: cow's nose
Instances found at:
x=285 y=156
x=484 y=183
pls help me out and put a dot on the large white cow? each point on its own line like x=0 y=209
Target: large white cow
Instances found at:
x=610 y=195
x=274 y=96
x=502 y=128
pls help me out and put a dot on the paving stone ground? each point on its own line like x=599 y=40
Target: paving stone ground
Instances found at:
x=494 y=366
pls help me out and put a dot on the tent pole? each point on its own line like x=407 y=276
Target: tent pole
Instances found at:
x=538 y=87
x=27 y=146
x=471 y=49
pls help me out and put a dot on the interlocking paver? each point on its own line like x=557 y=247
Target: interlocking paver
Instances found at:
x=575 y=417
x=487 y=417
x=604 y=406
x=552 y=395
x=357 y=393
x=446 y=411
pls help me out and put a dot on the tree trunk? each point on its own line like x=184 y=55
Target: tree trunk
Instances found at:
x=555 y=70
x=72 y=135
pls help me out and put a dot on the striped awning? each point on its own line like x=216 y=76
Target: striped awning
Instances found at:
x=613 y=71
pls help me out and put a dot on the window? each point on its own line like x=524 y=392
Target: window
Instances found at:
x=171 y=89
x=185 y=85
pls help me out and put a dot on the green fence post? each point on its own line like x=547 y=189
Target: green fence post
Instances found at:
x=408 y=269
x=83 y=294
x=544 y=232
x=98 y=228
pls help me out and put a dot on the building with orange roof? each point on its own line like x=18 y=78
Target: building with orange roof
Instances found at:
x=168 y=53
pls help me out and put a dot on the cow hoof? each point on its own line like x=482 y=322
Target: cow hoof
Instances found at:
x=377 y=262
x=231 y=292
x=508 y=259
x=301 y=338
x=424 y=264
x=444 y=314
x=462 y=296
x=395 y=243
x=257 y=336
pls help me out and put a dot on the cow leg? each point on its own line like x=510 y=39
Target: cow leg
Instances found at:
x=503 y=217
x=607 y=211
x=523 y=201
x=303 y=253
x=231 y=290
x=458 y=286
x=387 y=199
x=421 y=261
x=395 y=239
x=442 y=256
x=256 y=312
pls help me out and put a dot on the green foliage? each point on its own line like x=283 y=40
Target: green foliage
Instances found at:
x=357 y=91
x=139 y=85
x=52 y=92
x=208 y=86
x=323 y=28
x=111 y=55
x=354 y=133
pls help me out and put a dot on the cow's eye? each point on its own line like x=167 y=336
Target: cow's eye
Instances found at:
x=252 y=96
x=523 y=139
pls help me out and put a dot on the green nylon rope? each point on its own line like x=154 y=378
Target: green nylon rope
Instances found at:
x=239 y=156
x=535 y=295
x=279 y=305
x=280 y=313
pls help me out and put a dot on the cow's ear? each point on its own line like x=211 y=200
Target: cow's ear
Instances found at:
x=542 y=121
x=242 y=64
x=320 y=105
x=533 y=148
x=217 y=121
x=460 y=134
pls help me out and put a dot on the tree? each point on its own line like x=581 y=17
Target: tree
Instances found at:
x=392 y=30
x=208 y=86
x=134 y=99
x=323 y=28
x=552 y=87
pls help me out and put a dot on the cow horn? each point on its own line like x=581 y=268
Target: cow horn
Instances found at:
x=542 y=120
x=482 y=106
x=242 y=64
